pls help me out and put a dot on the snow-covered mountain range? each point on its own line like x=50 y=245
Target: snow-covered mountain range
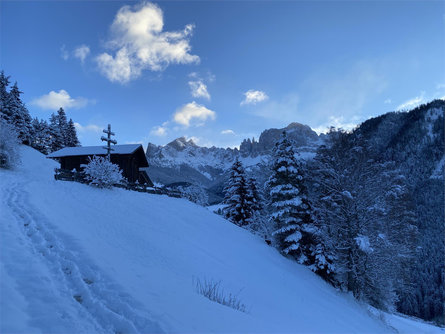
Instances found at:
x=183 y=161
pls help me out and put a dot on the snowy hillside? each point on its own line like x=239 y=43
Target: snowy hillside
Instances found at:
x=74 y=259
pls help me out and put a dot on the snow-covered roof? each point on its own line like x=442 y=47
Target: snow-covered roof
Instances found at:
x=94 y=150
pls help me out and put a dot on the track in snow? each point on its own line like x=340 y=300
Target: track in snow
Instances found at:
x=111 y=310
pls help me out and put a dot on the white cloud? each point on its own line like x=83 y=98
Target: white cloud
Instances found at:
x=64 y=53
x=81 y=52
x=387 y=101
x=140 y=44
x=199 y=89
x=61 y=99
x=412 y=103
x=118 y=68
x=88 y=128
x=209 y=76
x=254 y=96
x=159 y=131
x=193 y=111
x=198 y=86
x=227 y=132
x=194 y=75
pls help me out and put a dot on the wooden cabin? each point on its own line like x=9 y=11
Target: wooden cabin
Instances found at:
x=130 y=158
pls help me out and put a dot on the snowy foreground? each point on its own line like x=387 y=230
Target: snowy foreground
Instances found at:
x=74 y=259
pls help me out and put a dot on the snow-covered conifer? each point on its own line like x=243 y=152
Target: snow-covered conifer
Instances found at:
x=258 y=220
x=40 y=136
x=71 y=135
x=63 y=125
x=9 y=145
x=236 y=209
x=291 y=210
x=61 y=134
x=18 y=115
x=254 y=198
x=57 y=140
x=4 y=83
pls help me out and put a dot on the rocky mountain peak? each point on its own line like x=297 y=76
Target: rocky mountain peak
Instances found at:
x=301 y=134
x=294 y=126
x=181 y=143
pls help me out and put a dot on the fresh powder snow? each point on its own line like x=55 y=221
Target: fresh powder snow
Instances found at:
x=76 y=259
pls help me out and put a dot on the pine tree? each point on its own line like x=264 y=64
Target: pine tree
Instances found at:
x=71 y=135
x=40 y=136
x=401 y=236
x=9 y=146
x=291 y=211
x=257 y=221
x=63 y=126
x=327 y=198
x=322 y=258
x=4 y=95
x=254 y=198
x=18 y=115
x=61 y=134
x=56 y=137
x=236 y=209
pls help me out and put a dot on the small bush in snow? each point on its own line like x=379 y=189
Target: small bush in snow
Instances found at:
x=195 y=194
x=9 y=146
x=213 y=291
x=102 y=173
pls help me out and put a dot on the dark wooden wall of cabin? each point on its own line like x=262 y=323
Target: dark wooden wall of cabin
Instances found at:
x=128 y=163
x=71 y=163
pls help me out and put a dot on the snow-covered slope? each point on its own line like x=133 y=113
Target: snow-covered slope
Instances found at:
x=74 y=259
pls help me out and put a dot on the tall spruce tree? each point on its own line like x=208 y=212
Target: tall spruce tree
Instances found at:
x=56 y=136
x=61 y=135
x=71 y=135
x=18 y=115
x=237 y=210
x=254 y=198
x=291 y=210
x=41 y=136
x=257 y=220
x=63 y=126
x=4 y=83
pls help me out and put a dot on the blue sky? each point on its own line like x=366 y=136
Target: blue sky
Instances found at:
x=221 y=71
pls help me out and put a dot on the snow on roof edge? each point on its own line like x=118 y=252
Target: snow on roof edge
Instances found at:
x=93 y=150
